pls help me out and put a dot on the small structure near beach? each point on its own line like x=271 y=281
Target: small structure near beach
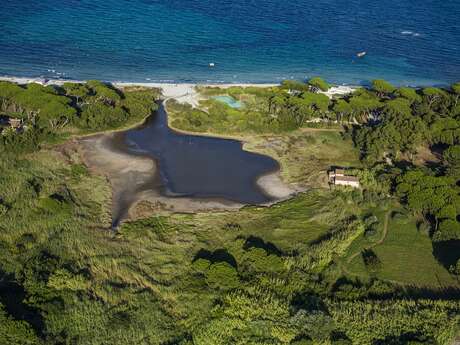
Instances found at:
x=229 y=100
x=15 y=123
x=339 y=178
x=10 y=124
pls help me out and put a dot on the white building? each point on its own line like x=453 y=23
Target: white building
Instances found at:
x=338 y=177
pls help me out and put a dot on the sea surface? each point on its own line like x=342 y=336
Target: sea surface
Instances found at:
x=410 y=42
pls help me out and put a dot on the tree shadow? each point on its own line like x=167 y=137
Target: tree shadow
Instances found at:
x=308 y=302
x=444 y=293
x=12 y=296
x=404 y=339
x=404 y=164
x=341 y=337
x=370 y=258
x=447 y=252
x=219 y=255
x=257 y=242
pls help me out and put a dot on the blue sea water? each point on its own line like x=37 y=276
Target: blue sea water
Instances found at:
x=414 y=42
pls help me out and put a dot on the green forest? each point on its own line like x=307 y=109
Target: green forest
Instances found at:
x=375 y=265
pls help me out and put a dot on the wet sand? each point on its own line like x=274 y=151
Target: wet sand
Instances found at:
x=137 y=189
x=134 y=179
x=273 y=186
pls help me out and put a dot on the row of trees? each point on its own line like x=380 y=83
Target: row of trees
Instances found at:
x=295 y=104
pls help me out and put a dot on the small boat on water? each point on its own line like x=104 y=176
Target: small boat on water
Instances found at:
x=361 y=54
x=212 y=64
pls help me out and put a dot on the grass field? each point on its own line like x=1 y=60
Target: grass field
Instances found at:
x=272 y=275
x=406 y=257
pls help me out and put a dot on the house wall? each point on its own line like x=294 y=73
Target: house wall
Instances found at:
x=347 y=183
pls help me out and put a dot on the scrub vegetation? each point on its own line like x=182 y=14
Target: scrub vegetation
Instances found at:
x=375 y=265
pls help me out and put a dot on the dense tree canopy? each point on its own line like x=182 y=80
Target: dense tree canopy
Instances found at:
x=319 y=84
x=48 y=111
x=382 y=87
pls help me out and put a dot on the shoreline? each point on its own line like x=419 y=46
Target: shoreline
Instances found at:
x=182 y=92
x=50 y=81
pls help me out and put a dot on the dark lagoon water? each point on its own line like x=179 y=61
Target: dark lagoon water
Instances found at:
x=199 y=166
x=407 y=42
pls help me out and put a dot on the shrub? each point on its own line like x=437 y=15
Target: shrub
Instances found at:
x=371 y=232
x=62 y=279
x=448 y=230
x=370 y=219
x=201 y=265
x=341 y=342
x=13 y=332
x=371 y=260
x=456 y=268
x=409 y=93
x=382 y=87
x=424 y=228
x=294 y=85
x=258 y=260
x=319 y=83
x=26 y=242
x=102 y=116
x=3 y=210
x=103 y=91
x=78 y=170
x=222 y=276
x=302 y=342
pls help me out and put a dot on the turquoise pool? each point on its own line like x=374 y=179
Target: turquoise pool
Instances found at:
x=230 y=101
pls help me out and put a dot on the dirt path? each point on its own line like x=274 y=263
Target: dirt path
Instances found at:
x=379 y=242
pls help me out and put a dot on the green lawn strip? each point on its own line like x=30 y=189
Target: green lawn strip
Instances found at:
x=406 y=257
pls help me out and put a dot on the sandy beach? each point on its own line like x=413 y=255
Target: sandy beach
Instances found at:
x=181 y=92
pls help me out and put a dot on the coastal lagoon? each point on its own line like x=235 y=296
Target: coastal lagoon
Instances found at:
x=407 y=42
x=199 y=166
x=181 y=172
